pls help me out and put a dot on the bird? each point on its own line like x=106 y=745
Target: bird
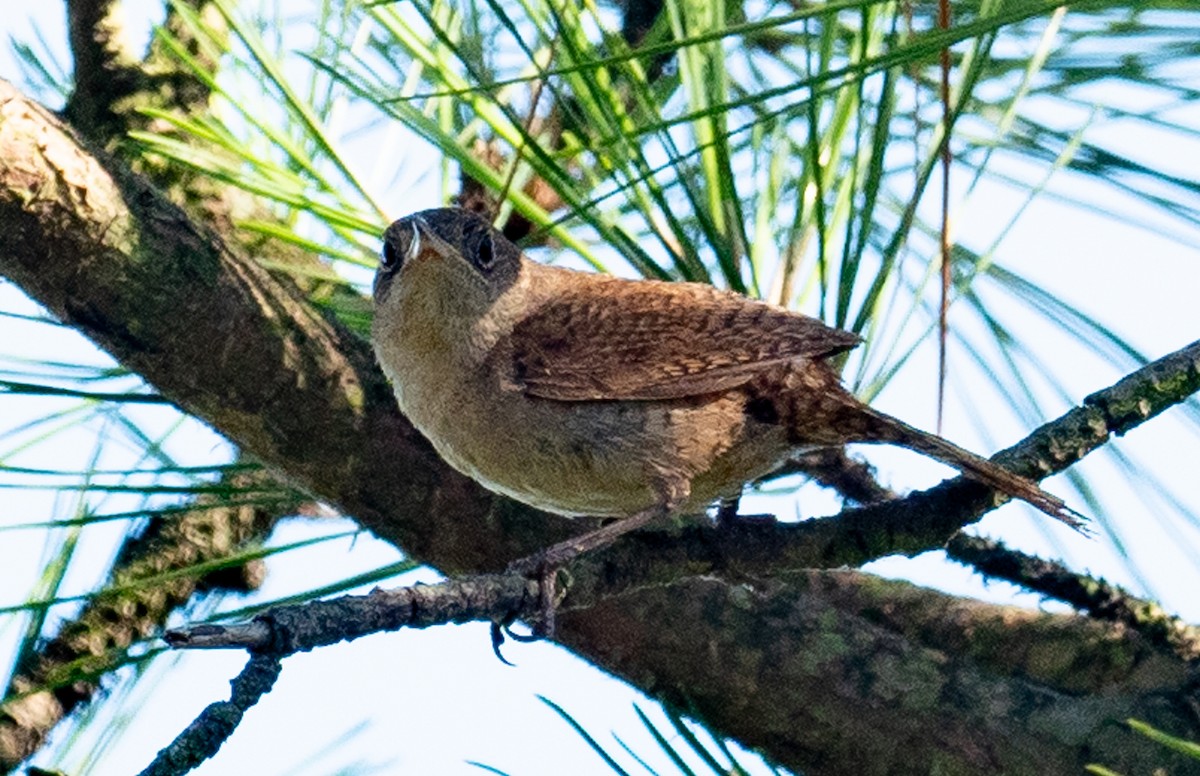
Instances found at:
x=580 y=393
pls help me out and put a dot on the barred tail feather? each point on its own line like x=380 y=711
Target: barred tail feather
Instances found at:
x=884 y=428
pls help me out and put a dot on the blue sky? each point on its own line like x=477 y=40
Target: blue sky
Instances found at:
x=433 y=700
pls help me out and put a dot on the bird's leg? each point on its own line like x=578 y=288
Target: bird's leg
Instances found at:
x=560 y=554
x=544 y=565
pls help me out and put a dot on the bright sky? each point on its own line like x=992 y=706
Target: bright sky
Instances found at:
x=428 y=702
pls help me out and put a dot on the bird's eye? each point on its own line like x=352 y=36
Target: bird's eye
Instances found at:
x=390 y=259
x=485 y=254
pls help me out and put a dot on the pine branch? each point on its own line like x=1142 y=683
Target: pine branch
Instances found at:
x=65 y=672
x=244 y=351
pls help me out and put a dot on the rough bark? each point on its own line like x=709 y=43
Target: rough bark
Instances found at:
x=112 y=84
x=146 y=587
x=242 y=350
x=841 y=672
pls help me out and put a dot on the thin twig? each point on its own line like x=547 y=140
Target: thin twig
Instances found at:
x=204 y=737
x=1103 y=600
x=286 y=630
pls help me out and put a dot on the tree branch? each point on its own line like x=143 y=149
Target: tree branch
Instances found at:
x=106 y=69
x=243 y=351
x=286 y=630
x=851 y=477
x=835 y=672
x=1103 y=600
x=113 y=83
x=216 y=723
x=64 y=673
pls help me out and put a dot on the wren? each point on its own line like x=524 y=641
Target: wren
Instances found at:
x=585 y=394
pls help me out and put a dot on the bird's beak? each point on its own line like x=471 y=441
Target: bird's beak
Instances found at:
x=414 y=243
x=421 y=241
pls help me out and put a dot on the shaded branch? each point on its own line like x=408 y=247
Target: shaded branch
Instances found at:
x=107 y=71
x=113 y=83
x=1102 y=599
x=843 y=672
x=64 y=673
x=286 y=630
x=244 y=351
x=216 y=723
x=851 y=477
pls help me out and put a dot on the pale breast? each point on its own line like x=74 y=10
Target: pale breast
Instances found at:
x=571 y=460
x=607 y=459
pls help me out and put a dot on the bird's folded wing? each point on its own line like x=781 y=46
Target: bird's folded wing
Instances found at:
x=651 y=340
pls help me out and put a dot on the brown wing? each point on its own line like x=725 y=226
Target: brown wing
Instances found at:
x=651 y=340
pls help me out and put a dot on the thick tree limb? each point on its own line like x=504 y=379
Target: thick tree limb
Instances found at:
x=840 y=672
x=113 y=83
x=242 y=350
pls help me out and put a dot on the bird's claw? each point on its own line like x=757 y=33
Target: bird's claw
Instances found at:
x=543 y=569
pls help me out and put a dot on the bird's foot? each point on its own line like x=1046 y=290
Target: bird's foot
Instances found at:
x=543 y=567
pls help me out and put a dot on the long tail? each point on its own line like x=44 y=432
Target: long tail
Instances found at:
x=880 y=427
